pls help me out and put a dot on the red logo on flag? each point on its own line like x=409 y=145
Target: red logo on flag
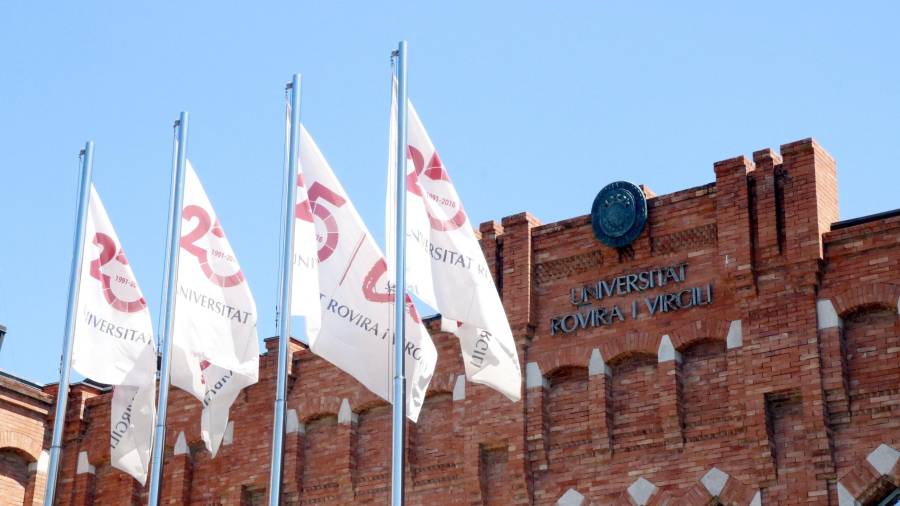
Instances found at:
x=205 y=226
x=107 y=254
x=435 y=172
x=312 y=206
x=204 y=364
x=371 y=293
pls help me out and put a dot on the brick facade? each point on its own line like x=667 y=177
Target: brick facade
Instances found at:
x=785 y=389
x=25 y=410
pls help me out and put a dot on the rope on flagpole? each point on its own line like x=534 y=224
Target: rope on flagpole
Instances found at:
x=284 y=164
x=166 y=265
x=79 y=162
x=391 y=289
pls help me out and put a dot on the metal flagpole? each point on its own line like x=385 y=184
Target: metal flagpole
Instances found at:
x=174 y=233
x=65 y=370
x=399 y=418
x=163 y=294
x=284 y=324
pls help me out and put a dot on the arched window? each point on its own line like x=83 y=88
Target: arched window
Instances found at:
x=870 y=335
x=433 y=438
x=319 y=455
x=13 y=476
x=635 y=402
x=568 y=411
x=373 y=449
x=704 y=388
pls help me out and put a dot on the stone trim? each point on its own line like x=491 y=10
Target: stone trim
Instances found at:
x=291 y=422
x=735 y=337
x=571 y=498
x=533 y=376
x=459 y=388
x=84 y=465
x=666 y=351
x=346 y=416
x=714 y=481
x=228 y=438
x=641 y=491
x=596 y=365
x=181 y=447
x=826 y=315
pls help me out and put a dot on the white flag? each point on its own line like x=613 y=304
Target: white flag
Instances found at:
x=114 y=341
x=356 y=293
x=445 y=266
x=305 y=294
x=215 y=347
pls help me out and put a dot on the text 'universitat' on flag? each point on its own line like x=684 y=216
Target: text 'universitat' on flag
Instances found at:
x=215 y=347
x=445 y=266
x=114 y=341
x=355 y=289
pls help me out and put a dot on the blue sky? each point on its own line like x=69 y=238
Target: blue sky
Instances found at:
x=533 y=105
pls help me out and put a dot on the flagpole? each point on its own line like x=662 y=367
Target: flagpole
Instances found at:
x=65 y=370
x=174 y=233
x=287 y=267
x=399 y=398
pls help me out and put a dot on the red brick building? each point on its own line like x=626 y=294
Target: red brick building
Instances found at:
x=765 y=371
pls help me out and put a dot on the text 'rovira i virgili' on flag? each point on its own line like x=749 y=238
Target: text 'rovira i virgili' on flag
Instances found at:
x=215 y=347
x=445 y=266
x=355 y=290
x=114 y=341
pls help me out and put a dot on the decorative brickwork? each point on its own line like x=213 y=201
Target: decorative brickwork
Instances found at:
x=780 y=384
x=565 y=268
x=685 y=240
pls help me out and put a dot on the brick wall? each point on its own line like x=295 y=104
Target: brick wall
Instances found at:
x=785 y=389
x=24 y=438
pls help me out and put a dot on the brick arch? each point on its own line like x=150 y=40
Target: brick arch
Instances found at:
x=634 y=344
x=692 y=333
x=21 y=442
x=864 y=482
x=855 y=298
x=564 y=370
x=563 y=359
x=313 y=407
x=368 y=404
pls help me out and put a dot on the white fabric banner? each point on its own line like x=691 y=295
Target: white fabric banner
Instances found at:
x=114 y=341
x=215 y=350
x=357 y=293
x=305 y=293
x=445 y=266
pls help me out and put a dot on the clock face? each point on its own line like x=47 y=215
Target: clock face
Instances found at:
x=619 y=214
